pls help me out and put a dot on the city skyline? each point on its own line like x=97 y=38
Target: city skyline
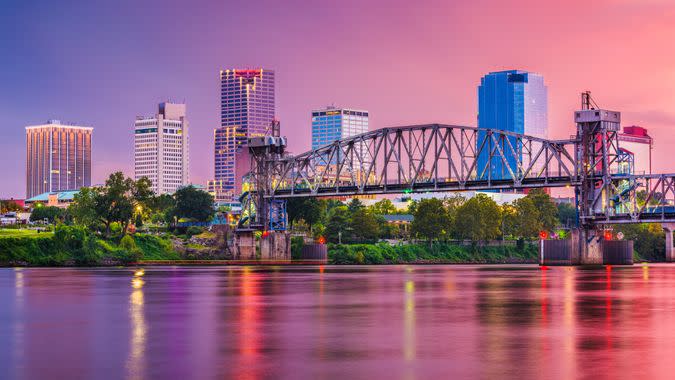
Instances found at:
x=421 y=72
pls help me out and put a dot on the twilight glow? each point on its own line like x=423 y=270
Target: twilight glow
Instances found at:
x=101 y=65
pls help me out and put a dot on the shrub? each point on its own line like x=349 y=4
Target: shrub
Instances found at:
x=129 y=250
x=296 y=247
x=194 y=230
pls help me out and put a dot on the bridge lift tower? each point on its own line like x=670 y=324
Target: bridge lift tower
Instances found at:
x=597 y=156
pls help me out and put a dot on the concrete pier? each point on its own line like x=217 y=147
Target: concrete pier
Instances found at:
x=244 y=246
x=668 y=228
x=586 y=247
x=276 y=246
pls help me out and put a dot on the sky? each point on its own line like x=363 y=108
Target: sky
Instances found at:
x=101 y=64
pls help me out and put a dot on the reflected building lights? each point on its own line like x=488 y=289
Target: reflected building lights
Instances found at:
x=136 y=361
x=409 y=322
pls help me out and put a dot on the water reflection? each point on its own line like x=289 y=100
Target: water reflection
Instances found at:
x=403 y=322
x=137 y=344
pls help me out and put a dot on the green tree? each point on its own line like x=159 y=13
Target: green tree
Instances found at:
x=383 y=207
x=355 y=205
x=431 y=220
x=82 y=210
x=193 y=204
x=49 y=213
x=311 y=210
x=567 y=214
x=478 y=219
x=526 y=220
x=548 y=211
x=364 y=224
x=338 y=225
x=113 y=202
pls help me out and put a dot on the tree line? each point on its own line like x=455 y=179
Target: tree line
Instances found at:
x=479 y=218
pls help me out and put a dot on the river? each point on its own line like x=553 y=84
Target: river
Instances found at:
x=338 y=322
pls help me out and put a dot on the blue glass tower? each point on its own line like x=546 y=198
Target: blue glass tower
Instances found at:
x=514 y=101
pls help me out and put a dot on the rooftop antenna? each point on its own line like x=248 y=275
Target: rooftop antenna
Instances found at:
x=587 y=102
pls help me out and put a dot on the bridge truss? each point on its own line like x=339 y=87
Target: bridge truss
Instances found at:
x=436 y=157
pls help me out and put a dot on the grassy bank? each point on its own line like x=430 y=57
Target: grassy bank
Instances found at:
x=76 y=246
x=423 y=253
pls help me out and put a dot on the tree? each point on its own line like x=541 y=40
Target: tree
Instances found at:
x=548 y=211
x=82 y=210
x=49 y=213
x=338 y=225
x=364 y=225
x=478 y=219
x=431 y=220
x=525 y=222
x=567 y=214
x=383 y=207
x=355 y=205
x=194 y=204
x=113 y=202
x=311 y=210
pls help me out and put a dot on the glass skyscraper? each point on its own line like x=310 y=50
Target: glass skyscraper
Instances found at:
x=334 y=123
x=246 y=110
x=514 y=101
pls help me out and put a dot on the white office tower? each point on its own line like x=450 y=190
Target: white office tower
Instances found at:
x=161 y=148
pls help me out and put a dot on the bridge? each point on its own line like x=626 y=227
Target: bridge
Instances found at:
x=437 y=157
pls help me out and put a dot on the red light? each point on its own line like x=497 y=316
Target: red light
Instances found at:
x=322 y=240
x=608 y=235
x=265 y=234
x=543 y=235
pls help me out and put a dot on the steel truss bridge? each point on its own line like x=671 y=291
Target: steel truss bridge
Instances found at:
x=436 y=157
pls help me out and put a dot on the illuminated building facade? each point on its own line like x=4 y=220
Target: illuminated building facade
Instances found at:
x=332 y=123
x=514 y=101
x=161 y=148
x=58 y=158
x=247 y=108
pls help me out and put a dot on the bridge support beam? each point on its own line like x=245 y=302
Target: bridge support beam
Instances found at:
x=590 y=246
x=668 y=228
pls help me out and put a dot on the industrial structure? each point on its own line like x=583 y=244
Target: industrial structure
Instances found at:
x=436 y=157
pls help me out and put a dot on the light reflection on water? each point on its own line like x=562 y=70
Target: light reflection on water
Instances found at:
x=395 y=322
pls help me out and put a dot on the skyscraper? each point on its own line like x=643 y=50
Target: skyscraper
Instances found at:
x=247 y=109
x=514 y=101
x=334 y=123
x=58 y=158
x=161 y=151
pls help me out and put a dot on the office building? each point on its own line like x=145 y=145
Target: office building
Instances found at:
x=58 y=158
x=514 y=101
x=636 y=146
x=334 y=123
x=161 y=148
x=247 y=108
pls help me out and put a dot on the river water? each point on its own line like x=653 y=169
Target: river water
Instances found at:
x=328 y=322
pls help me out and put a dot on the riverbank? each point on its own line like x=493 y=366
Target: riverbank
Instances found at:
x=73 y=246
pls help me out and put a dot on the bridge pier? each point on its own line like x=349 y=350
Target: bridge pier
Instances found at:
x=244 y=246
x=668 y=228
x=586 y=247
x=276 y=246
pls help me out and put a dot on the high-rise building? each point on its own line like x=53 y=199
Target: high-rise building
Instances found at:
x=514 y=101
x=247 y=110
x=334 y=123
x=161 y=148
x=58 y=158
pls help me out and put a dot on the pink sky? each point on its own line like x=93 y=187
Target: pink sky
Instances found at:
x=405 y=62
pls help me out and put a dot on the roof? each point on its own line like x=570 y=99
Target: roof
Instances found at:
x=398 y=218
x=61 y=196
